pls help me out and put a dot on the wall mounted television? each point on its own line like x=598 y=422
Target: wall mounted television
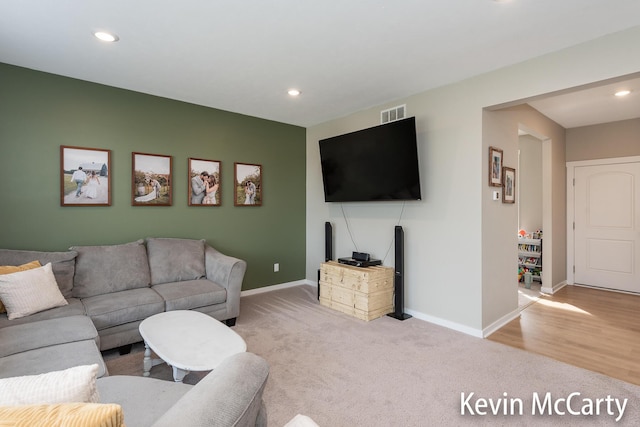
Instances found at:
x=374 y=164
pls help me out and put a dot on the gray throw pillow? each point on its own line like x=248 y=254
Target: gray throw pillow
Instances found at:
x=175 y=260
x=107 y=269
x=63 y=264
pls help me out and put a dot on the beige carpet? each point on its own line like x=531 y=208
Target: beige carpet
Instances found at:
x=341 y=371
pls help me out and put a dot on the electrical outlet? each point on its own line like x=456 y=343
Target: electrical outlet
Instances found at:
x=276 y=267
x=496 y=195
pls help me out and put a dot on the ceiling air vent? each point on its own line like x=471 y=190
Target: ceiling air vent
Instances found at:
x=393 y=114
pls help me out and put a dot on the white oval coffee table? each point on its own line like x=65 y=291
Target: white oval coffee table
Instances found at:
x=187 y=341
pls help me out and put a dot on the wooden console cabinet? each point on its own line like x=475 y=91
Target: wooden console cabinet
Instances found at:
x=365 y=293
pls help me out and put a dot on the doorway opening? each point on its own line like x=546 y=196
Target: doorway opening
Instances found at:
x=534 y=214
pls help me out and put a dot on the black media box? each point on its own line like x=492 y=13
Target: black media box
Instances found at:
x=359 y=263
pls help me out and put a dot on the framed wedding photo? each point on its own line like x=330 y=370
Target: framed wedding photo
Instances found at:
x=204 y=182
x=248 y=183
x=495 y=167
x=509 y=185
x=85 y=176
x=151 y=180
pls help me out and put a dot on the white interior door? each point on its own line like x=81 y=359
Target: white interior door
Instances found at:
x=607 y=226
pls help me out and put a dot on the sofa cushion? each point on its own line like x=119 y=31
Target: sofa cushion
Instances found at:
x=143 y=399
x=106 y=269
x=191 y=294
x=73 y=308
x=77 y=384
x=8 y=269
x=63 y=264
x=30 y=291
x=120 y=335
x=53 y=358
x=67 y=414
x=123 y=307
x=46 y=333
x=175 y=260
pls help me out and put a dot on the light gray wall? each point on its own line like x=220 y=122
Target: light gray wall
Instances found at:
x=461 y=251
x=529 y=183
x=615 y=139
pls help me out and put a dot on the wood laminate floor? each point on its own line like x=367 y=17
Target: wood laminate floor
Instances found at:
x=590 y=328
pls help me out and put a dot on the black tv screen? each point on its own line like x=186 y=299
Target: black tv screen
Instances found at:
x=374 y=164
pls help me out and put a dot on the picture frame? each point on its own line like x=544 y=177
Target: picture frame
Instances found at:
x=204 y=190
x=248 y=184
x=495 y=167
x=509 y=185
x=85 y=176
x=151 y=180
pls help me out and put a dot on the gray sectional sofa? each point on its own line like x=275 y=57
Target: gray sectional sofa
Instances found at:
x=118 y=286
x=110 y=290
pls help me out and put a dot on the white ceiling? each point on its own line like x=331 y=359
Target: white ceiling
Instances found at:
x=593 y=105
x=344 y=55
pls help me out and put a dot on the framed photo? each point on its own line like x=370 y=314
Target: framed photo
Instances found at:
x=204 y=182
x=509 y=185
x=151 y=180
x=248 y=183
x=495 y=167
x=85 y=176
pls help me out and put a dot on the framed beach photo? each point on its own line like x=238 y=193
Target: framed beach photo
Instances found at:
x=509 y=185
x=204 y=182
x=151 y=180
x=495 y=167
x=248 y=183
x=85 y=176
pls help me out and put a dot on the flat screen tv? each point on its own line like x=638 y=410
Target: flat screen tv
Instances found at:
x=374 y=164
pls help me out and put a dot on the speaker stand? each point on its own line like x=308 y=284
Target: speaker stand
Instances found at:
x=401 y=316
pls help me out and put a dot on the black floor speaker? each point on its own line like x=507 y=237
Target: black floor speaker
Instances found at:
x=398 y=278
x=328 y=242
x=328 y=248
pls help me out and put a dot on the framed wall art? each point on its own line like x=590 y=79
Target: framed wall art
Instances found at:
x=85 y=176
x=248 y=183
x=204 y=182
x=509 y=185
x=151 y=180
x=495 y=167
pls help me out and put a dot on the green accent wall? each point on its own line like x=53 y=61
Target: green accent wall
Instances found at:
x=39 y=112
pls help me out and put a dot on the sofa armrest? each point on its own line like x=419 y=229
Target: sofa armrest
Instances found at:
x=227 y=272
x=231 y=395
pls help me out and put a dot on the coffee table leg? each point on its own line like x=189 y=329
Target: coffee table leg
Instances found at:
x=146 y=362
x=179 y=374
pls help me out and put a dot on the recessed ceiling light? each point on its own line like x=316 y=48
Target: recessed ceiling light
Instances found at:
x=293 y=92
x=622 y=93
x=106 y=37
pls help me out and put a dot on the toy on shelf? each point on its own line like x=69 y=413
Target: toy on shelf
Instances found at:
x=521 y=271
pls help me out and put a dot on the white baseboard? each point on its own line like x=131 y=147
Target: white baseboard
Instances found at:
x=446 y=323
x=500 y=322
x=270 y=288
x=555 y=288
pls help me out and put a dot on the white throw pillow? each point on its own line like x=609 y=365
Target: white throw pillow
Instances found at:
x=77 y=384
x=28 y=292
x=301 y=421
